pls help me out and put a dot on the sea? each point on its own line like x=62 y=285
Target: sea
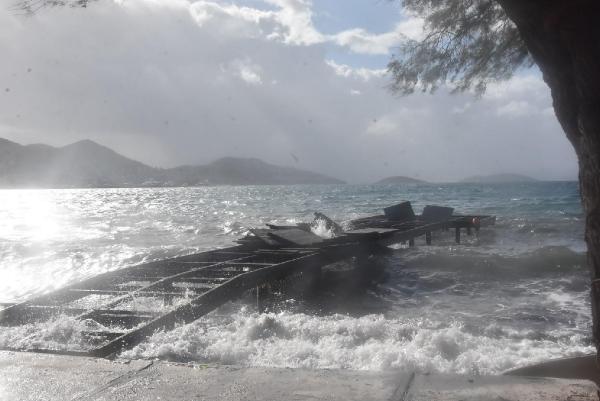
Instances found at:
x=513 y=294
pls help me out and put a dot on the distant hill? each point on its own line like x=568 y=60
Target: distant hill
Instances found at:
x=88 y=164
x=245 y=171
x=498 y=178
x=399 y=180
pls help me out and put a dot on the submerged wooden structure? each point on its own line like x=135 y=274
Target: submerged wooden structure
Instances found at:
x=132 y=303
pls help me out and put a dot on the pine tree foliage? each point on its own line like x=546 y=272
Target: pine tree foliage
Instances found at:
x=466 y=45
x=32 y=6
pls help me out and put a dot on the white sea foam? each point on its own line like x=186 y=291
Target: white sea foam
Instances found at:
x=516 y=293
x=59 y=333
x=371 y=342
x=320 y=228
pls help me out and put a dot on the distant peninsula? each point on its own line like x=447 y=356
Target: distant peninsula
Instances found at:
x=398 y=179
x=86 y=164
x=498 y=178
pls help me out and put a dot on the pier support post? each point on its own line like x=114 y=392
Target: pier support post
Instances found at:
x=457 y=235
x=260 y=294
x=469 y=230
x=411 y=243
x=428 y=237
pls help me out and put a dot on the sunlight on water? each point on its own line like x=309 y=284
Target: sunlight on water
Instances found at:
x=30 y=215
x=516 y=293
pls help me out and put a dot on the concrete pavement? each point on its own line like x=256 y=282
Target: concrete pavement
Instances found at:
x=28 y=376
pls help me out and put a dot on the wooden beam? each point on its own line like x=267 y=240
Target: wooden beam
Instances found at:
x=207 y=302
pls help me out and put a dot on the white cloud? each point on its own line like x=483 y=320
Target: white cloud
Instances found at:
x=360 y=41
x=150 y=81
x=529 y=85
x=517 y=108
x=519 y=97
x=248 y=71
x=292 y=23
x=346 y=71
x=295 y=18
x=204 y=11
x=411 y=27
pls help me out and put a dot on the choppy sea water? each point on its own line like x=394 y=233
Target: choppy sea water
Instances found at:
x=515 y=294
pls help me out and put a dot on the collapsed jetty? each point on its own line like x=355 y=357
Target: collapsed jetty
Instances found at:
x=185 y=288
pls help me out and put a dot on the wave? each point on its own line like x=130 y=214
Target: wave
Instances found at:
x=543 y=261
x=517 y=293
x=371 y=342
x=60 y=333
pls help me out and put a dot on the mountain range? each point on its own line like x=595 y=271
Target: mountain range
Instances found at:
x=399 y=179
x=86 y=164
x=498 y=178
x=476 y=179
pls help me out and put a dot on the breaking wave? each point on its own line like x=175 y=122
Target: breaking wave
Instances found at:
x=371 y=342
x=514 y=294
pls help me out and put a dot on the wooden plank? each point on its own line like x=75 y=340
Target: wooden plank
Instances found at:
x=370 y=221
x=432 y=213
x=207 y=302
x=14 y=313
x=402 y=211
x=106 y=335
x=162 y=282
x=296 y=236
x=406 y=235
x=128 y=319
x=371 y=230
x=278 y=227
x=207 y=280
x=263 y=235
x=137 y=294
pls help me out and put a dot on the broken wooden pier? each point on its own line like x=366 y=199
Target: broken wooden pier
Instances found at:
x=132 y=303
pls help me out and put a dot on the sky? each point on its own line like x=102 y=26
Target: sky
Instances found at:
x=292 y=82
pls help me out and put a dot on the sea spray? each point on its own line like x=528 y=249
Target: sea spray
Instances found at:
x=371 y=342
x=513 y=294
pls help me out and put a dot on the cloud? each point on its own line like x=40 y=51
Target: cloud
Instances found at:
x=517 y=108
x=160 y=82
x=295 y=19
x=248 y=71
x=346 y=71
x=291 y=22
x=520 y=85
x=360 y=41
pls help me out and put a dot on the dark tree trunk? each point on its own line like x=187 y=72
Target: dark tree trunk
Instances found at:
x=563 y=36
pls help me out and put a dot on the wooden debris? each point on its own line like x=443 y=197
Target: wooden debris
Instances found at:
x=436 y=213
x=400 y=212
x=295 y=237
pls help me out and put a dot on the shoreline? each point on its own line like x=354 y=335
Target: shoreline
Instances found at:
x=29 y=376
x=580 y=368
